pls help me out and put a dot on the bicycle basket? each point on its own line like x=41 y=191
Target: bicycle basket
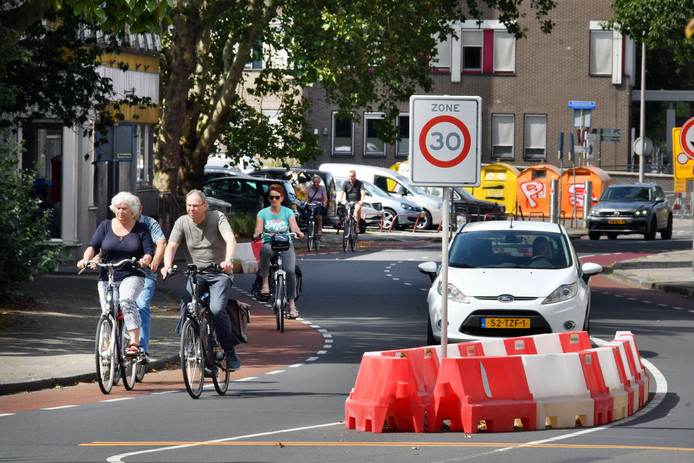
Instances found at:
x=279 y=243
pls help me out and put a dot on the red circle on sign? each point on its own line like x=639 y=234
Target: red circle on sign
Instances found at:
x=466 y=142
x=688 y=125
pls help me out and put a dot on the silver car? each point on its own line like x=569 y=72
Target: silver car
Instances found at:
x=403 y=209
x=371 y=211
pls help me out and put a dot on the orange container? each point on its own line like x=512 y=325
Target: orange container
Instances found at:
x=534 y=189
x=573 y=188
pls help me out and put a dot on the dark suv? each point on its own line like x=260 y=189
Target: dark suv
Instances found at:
x=639 y=208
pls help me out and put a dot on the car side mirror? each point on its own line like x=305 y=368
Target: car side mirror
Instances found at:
x=429 y=268
x=659 y=200
x=589 y=269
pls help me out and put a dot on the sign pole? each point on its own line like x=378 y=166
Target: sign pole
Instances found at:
x=444 y=272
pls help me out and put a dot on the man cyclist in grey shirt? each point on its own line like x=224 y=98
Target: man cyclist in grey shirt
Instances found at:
x=209 y=239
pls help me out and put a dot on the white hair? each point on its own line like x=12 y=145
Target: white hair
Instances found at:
x=197 y=193
x=128 y=198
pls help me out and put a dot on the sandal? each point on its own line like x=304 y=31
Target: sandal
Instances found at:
x=293 y=313
x=133 y=350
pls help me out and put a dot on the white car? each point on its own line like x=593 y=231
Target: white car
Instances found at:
x=510 y=278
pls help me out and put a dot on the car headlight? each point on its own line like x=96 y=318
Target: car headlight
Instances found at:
x=407 y=207
x=454 y=293
x=562 y=293
x=595 y=212
x=641 y=213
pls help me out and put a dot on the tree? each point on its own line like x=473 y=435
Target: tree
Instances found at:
x=363 y=53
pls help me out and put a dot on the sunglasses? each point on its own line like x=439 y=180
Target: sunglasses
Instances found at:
x=274 y=197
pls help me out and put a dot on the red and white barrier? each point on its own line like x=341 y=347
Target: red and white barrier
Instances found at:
x=555 y=380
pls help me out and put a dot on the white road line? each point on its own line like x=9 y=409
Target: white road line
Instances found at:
x=322 y=352
x=396 y=279
x=678 y=308
x=327 y=336
x=275 y=372
x=423 y=289
x=322 y=330
x=631 y=299
x=408 y=284
x=328 y=341
x=662 y=305
x=60 y=407
x=314 y=326
x=660 y=392
x=312 y=359
x=327 y=346
x=646 y=301
x=119 y=458
x=247 y=378
x=296 y=365
x=163 y=392
x=618 y=295
x=691 y=311
x=119 y=399
x=305 y=322
x=7 y=414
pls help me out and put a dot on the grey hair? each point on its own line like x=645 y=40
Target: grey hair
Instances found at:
x=128 y=198
x=315 y=176
x=197 y=193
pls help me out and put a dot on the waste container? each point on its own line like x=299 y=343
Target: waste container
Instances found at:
x=534 y=190
x=573 y=188
x=499 y=182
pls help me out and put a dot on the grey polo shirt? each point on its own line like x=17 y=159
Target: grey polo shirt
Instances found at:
x=204 y=242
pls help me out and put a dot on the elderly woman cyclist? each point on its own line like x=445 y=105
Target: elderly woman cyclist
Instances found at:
x=121 y=238
x=277 y=219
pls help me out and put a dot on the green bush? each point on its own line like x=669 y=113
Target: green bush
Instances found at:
x=24 y=248
x=243 y=225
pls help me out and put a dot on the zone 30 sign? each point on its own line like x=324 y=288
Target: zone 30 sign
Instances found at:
x=445 y=137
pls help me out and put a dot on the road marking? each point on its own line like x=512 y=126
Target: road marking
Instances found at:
x=691 y=311
x=322 y=330
x=321 y=352
x=119 y=458
x=7 y=414
x=314 y=326
x=247 y=378
x=618 y=295
x=305 y=322
x=327 y=346
x=328 y=340
x=327 y=336
x=408 y=284
x=296 y=365
x=631 y=299
x=423 y=289
x=646 y=301
x=312 y=359
x=162 y=392
x=662 y=305
x=60 y=407
x=276 y=372
x=678 y=308
x=396 y=279
x=120 y=399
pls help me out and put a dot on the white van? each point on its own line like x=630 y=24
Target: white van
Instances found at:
x=394 y=184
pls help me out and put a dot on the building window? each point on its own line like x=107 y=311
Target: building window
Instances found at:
x=600 y=53
x=535 y=137
x=402 y=144
x=143 y=153
x=373 y=145
x=502 y=136
x=472 y=50
x=504 y=52
x=343 y=134
x=256 y=57
x=442 y=59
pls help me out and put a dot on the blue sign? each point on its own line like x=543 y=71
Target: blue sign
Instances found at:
x=585 y=105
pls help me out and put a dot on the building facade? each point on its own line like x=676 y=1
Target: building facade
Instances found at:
x=525 y=86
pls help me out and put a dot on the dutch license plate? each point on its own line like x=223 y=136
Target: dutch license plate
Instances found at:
x=616 y=221
x=493 y=322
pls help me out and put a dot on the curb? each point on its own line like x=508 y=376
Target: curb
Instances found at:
x=645 y=283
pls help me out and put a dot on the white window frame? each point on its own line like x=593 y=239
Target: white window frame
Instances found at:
x=398 y=140
x=502 y=155
x=372 y=154
x=351 y=146
x=442 y=60
x=533 y=156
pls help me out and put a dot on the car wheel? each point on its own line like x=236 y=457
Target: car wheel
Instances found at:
x=667 y=233
x=650 y=234
x=594 y=235
x=431 y=340
x=389 y=216
x=612 y=236
x=425 y=223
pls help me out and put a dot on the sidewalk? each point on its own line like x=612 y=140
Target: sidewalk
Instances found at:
x=668 y=272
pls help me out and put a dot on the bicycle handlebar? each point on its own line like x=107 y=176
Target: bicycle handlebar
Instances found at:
x=132 y=261
x=192 y=268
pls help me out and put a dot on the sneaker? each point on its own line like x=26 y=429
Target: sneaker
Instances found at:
x=233 y=362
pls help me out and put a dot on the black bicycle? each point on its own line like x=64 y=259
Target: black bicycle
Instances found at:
x=112 y=338
x=201 y=353
x=312 y=230
x=349 y=228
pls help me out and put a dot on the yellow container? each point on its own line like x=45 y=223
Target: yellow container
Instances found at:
x=499 y=182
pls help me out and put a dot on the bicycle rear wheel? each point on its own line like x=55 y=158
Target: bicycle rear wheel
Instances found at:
x=128 y=364
x=316 y=236
x=105 y=355
x=353 y=236
x=192 y=361
x=141 y=370
x=345 y=235
x=221 y=377
x=280 y=302
x=311 y=234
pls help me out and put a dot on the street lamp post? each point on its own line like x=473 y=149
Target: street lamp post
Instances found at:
x=642 y=110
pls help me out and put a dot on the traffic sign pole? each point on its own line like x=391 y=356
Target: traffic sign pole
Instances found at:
x=444 y=272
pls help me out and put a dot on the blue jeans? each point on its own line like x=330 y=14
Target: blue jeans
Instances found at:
x=143 y=303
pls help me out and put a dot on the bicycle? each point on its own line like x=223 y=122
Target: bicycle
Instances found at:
x=112 y=338
x=349 y=228
x=199 y=343
x=312 y=231
x=279 y=242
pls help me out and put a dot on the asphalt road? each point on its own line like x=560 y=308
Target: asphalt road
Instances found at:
x=361 y=302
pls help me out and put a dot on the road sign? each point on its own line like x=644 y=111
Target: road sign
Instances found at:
x=445 y=139
x=682 y=162
x=610 y=134
x=647 y=147
x=687 y=138
x=584 y=105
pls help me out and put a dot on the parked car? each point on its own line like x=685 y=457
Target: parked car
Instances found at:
x=246 y=194
x=300 y=178
x=396 y=185
x=371 y=211
x=403 y=209
x=468 y=207
x=640 y=208
x=510 y=278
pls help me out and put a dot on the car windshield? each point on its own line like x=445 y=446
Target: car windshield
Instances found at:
x=375 y=191
x=626 y=193
x=509 y=249
x=405 y=182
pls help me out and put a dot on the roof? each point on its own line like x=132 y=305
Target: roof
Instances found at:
x=525 y=225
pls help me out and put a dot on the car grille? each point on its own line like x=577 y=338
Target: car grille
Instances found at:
x=494 y=298
x=616 y=213
x=471 y=325
x=377 y=206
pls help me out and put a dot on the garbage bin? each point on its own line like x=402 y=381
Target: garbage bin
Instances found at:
x=498 y=183
x=572 y=188
x=534 y=190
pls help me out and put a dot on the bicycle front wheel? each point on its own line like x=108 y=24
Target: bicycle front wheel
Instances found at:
x=353 y=236
x=311 y=234
x=128 y=364
x=345 y=235
x=192 y=362
x=105 y=355
x=280 y=302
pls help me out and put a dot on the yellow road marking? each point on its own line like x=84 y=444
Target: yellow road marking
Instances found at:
x=387 y=444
